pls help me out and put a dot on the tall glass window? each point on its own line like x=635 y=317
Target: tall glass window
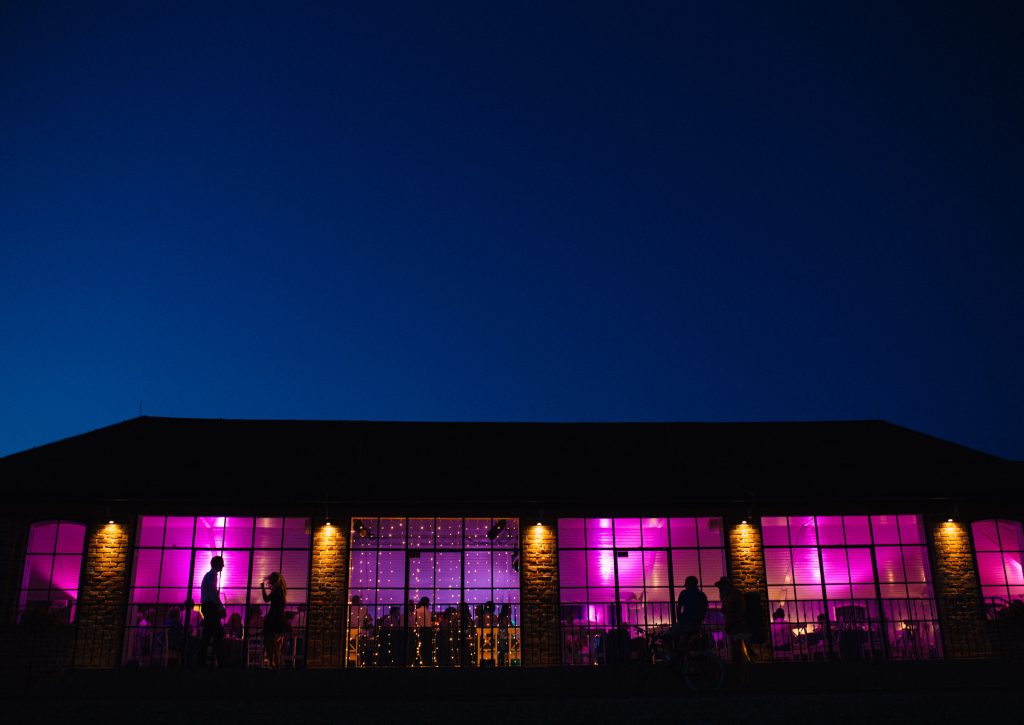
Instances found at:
x=999 y=548
x=850 y=587
x=433 y=592
x=49 y=580
x=619 y=578
x=172 y=555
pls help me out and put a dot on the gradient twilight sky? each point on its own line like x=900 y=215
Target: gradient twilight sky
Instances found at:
x=512 y=211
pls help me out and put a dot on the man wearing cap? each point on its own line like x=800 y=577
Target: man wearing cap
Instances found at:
x=213 y=611
x=734 y=610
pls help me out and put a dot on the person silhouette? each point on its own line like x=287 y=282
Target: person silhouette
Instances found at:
x=213 y=612
x=424 y=634
x=274 y=624
x=691 y=608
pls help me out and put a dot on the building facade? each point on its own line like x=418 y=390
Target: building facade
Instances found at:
x=505 y=545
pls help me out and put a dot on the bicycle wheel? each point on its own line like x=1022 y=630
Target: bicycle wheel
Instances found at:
x=703 y=672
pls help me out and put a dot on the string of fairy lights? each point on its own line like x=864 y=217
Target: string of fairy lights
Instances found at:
x=425 y=564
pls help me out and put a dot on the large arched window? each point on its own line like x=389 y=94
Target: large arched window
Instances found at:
x=999 y=547
x=53 y=564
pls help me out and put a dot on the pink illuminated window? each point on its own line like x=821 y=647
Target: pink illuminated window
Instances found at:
x=836 y=582
x=845 y=557
x=172 y=555
x=53 y=563
x=999 y=548
x=628 y=571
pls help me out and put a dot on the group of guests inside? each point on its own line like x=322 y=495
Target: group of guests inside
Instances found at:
x=456 y=636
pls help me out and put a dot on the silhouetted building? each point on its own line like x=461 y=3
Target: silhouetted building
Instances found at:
x=492 y=545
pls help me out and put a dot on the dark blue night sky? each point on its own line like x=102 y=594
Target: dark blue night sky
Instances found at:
x=512 y=211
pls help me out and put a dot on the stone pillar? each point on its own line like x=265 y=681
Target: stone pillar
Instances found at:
x=956 y=587
x=328 y=583
x=101 y=603
x=746 y=565
x=539 y=568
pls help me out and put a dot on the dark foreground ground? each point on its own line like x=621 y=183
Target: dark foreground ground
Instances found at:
x=965 y=706
x=966 y=693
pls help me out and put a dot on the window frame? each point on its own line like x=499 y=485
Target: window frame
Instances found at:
x=51 y=616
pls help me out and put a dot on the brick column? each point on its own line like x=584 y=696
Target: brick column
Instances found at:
x=327 y=585
x=101 y=613
x=956 y=587
x=746 y=564
x=539 y=567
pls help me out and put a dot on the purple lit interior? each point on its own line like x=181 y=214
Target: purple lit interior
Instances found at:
x=169 y=548
x=844 y=565
x=999 y=547
x=639 y=562
x=395 y=561
x=53 y=564
x=841 y=568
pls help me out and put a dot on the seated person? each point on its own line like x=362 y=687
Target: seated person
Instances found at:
x=782 y=632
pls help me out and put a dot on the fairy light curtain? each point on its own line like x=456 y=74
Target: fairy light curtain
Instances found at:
x=50 y=578
x=397 y=561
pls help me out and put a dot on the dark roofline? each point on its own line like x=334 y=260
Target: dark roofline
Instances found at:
x=333 y=422
x=158 y=458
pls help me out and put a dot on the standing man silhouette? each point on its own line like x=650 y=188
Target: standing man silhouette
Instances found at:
x=213 y=611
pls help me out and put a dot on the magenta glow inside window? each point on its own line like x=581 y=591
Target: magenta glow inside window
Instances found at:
x=50 y=577
x=999 y=548
x=858 y=575
x=846 y=557
x=639 y=563
x=172 y=555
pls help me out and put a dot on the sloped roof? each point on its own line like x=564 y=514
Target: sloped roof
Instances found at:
x=172 y=459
